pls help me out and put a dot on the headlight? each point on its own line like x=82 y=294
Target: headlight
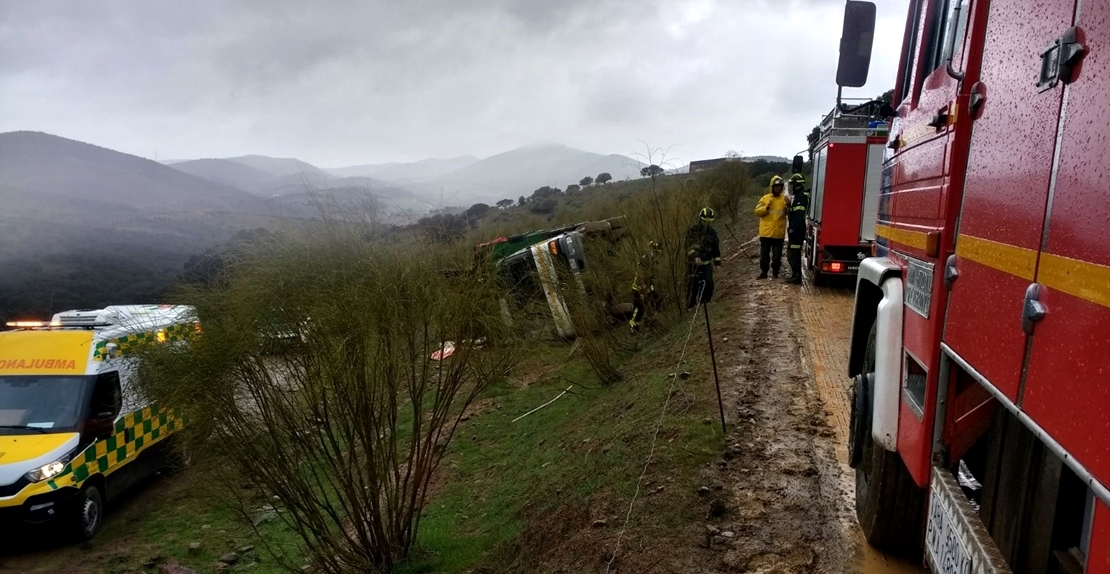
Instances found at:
x=48 y=471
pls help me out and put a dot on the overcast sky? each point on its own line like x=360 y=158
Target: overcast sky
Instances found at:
x=345 y=82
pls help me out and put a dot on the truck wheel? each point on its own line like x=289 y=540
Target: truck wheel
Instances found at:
x=889 y=505
x=859 y=424
x=89 y=512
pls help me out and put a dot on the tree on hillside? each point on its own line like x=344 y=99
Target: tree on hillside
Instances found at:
x=504 y=203
x=585 y=181
x=521 y=200
x=477 y=210
x=546 y=191
x=653 y=171
x=604 y=178
x=573 y=188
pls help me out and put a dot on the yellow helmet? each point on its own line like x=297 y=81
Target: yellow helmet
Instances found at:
x=776 y=181
x=707 y=214
x=798 y=178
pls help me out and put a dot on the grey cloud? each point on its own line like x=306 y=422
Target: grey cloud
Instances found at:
x=337 y=82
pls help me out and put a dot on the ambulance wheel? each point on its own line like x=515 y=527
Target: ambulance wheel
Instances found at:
x=889 y=505
x=89 y=513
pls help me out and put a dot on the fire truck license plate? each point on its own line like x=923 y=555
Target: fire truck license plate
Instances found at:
x=946 y=550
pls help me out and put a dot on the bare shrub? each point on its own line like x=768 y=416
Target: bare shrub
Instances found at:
x=312 y=378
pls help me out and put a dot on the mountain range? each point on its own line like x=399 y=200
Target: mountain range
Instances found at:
x=467 y=179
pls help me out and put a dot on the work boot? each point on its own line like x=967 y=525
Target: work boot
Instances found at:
x=762 y=275
x=795 y=280
x=775 y=274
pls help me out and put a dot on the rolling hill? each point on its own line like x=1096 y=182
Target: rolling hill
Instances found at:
x=465 y=180
x=279 y=166
x=227 y=172
x=522 y=170
x=423 y=170
x=43 y=173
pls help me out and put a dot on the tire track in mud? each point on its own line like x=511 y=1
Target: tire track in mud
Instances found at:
x=782 y=498
x=826 y=314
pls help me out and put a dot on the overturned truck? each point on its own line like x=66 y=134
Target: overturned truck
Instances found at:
x=535 y=265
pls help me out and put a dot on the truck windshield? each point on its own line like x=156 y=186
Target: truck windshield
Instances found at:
x=38 y=404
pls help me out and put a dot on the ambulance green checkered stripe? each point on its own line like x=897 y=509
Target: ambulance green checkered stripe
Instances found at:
x=144 y=427
x=130 y=342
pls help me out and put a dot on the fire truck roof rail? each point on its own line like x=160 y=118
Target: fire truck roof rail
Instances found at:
x=854 y=118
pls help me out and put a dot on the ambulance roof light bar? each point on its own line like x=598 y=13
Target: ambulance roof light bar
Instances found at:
x=32 y=324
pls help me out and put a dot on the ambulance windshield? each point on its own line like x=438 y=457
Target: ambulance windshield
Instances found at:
x=42 y=404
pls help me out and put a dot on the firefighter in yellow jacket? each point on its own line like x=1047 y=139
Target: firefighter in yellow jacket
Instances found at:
x=771 y=211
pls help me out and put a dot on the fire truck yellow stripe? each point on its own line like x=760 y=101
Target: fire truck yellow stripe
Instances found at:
x=1006 y=258
x=1081 y=279
x=914 y=239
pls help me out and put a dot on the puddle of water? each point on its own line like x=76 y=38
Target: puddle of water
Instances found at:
x=875 y=561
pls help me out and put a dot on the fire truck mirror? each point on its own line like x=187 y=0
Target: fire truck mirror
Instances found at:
x=798 y=165
x=855 y=44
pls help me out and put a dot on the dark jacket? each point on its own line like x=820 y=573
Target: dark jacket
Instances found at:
x=701 y=241
x=799 y=206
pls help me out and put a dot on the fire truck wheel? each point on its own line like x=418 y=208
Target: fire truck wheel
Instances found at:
x=859 y=423
x=88 y=513
x=889 y=505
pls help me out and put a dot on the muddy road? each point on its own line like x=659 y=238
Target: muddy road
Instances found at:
x=789 y=495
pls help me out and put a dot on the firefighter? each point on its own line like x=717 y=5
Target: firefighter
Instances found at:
x=703 y=252
x=771 y=211
x=796 y=227
x=644 y=297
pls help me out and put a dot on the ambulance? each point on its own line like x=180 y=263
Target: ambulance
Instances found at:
x=74 y=430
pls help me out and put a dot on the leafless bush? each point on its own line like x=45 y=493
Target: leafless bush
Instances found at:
x=312 y=378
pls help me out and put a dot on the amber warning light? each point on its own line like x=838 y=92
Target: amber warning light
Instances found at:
x=32 y=324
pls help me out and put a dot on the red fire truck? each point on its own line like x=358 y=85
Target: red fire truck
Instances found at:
x=847 y=170
x=981 y=331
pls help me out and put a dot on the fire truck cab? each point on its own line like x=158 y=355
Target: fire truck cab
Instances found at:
x=980 y=340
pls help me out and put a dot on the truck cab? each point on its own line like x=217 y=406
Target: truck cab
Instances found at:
x=979 y=340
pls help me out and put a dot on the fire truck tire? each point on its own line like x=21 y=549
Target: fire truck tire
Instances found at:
x=859 y=423
x=889 y=505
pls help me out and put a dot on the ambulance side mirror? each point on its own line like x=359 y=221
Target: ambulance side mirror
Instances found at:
x=856 y=40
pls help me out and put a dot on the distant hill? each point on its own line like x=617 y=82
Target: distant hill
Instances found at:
x=423 y=170
x=523 y=170
x=227 y=172
x=467 y=179
x=42 y=173
x=768 y=158
x=279 y=166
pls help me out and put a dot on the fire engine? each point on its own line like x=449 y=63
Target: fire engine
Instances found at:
x=980 y=430
x=847 y=167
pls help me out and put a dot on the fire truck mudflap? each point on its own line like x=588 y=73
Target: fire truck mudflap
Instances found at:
x=956 y=542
